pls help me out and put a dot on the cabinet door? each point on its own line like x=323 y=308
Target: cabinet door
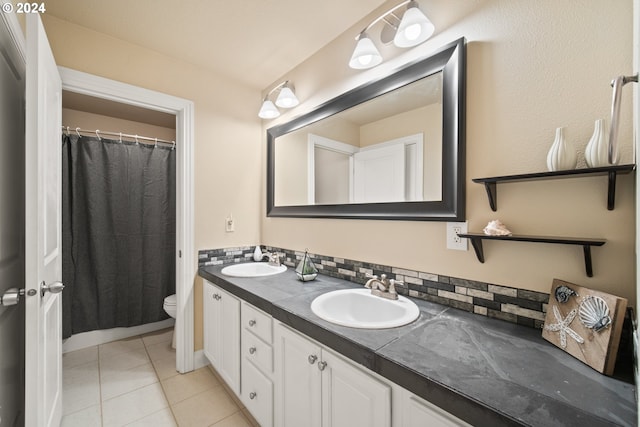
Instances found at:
x=229 y=330
x=351 y=397
x=297 y=380
x=222 y=333
x=211 y=323
x=418 y=413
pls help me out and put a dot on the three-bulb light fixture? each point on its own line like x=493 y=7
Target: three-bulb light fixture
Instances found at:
x=286 y=99
x=414 y=28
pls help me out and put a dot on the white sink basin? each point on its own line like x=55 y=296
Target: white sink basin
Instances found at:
x=253 y=269
x=357 y=308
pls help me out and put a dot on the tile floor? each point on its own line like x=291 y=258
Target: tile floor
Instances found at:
x=133 y=382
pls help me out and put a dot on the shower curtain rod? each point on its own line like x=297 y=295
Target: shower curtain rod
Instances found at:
x=120 y=135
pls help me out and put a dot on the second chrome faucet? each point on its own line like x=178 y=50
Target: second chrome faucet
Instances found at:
x=383 y=287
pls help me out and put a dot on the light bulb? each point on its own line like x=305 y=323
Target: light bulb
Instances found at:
x=286 y=98
x=414 y=27
x=365 y=55
x=268 y=110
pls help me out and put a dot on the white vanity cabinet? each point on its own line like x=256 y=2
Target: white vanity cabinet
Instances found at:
x=222 y=333
x=257 y=363
x=317 y=388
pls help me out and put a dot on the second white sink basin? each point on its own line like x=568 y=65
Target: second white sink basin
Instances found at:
x=357 y=308
x=253 y=269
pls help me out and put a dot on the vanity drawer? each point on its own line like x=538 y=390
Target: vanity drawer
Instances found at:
x=258 y=322
x=257 y=394
x=257 y=351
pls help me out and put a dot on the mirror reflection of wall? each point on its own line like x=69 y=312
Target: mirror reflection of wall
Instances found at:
x=388 y=149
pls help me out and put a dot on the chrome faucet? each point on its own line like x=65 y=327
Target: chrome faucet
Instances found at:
x=273 y=258
x=383 y=287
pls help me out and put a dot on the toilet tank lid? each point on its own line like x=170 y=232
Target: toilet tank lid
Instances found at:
x=171 y=300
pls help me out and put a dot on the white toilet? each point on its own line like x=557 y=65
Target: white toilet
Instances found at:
x=170 y=307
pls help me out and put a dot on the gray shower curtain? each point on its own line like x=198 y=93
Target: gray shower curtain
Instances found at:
x=118 y=261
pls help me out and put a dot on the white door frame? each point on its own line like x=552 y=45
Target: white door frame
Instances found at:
x=186 y=267
x=314 y=141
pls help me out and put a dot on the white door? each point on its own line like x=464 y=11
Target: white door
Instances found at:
x=379 y=175
x=12 y=74
x=43 y=240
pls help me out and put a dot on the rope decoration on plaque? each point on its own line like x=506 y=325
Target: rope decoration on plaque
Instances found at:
x=563 y=328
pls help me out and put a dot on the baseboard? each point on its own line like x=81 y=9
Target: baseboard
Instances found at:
x=199 y=359
x=89 y=339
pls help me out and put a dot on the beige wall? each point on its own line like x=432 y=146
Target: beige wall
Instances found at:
x=90 y=121
x=227 y=130
x=532 y=67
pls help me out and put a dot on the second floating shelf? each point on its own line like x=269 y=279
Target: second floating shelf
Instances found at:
x=586 y=243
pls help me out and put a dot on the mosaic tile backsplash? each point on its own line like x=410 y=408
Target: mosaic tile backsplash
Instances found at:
x=511 y=304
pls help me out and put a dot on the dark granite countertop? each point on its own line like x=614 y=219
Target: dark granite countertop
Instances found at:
x=485 y=371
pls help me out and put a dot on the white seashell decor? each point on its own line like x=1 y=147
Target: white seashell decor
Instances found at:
x=594 y=313
x=496 y=228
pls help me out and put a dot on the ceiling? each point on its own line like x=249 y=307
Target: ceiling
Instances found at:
x=252 y=41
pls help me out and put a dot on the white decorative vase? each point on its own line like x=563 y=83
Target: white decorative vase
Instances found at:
x=561 y=155
x=597 y=152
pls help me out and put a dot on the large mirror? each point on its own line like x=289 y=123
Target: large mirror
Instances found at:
x=390 y=149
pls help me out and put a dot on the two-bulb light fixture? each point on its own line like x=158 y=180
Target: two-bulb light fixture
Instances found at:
x=286 y=99
x=412 y=29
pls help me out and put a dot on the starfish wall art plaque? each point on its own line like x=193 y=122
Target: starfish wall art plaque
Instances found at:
x=593 y=343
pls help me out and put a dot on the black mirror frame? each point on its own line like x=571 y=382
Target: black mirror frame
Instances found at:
x=451 y=60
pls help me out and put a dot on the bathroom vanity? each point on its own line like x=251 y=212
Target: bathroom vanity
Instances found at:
x=449 y=367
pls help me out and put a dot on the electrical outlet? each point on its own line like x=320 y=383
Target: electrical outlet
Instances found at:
x=229 y=224
x=453 y=240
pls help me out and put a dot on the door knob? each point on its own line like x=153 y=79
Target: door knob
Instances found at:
x=54 y=288
x=312 y=358
x=322 y=365
x=11 y=296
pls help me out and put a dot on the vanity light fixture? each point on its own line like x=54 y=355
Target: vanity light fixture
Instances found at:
x=286 y=99
x=414 y=28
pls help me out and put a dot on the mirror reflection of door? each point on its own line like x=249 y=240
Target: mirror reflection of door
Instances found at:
x=330 y=170
x=390 y=171
x=379 y=175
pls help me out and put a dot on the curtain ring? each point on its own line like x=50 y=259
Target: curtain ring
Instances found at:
x=173 y=147
x=156 y=146
x=67 y=130
x=137 y=143
x=78 y=132
x=98 y=135
x=120 y=137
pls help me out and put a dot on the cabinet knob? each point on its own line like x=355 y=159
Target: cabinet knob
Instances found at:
x=216 y=297
x=252 y=322
x=322 y=365
x=252 y=350
x=252 y=395
x=312 y=358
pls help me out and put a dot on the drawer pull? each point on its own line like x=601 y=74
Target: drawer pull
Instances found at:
x=252 y=350
x=252 y=322
x=312 y=359
x=252 y=395
x=322 y=365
